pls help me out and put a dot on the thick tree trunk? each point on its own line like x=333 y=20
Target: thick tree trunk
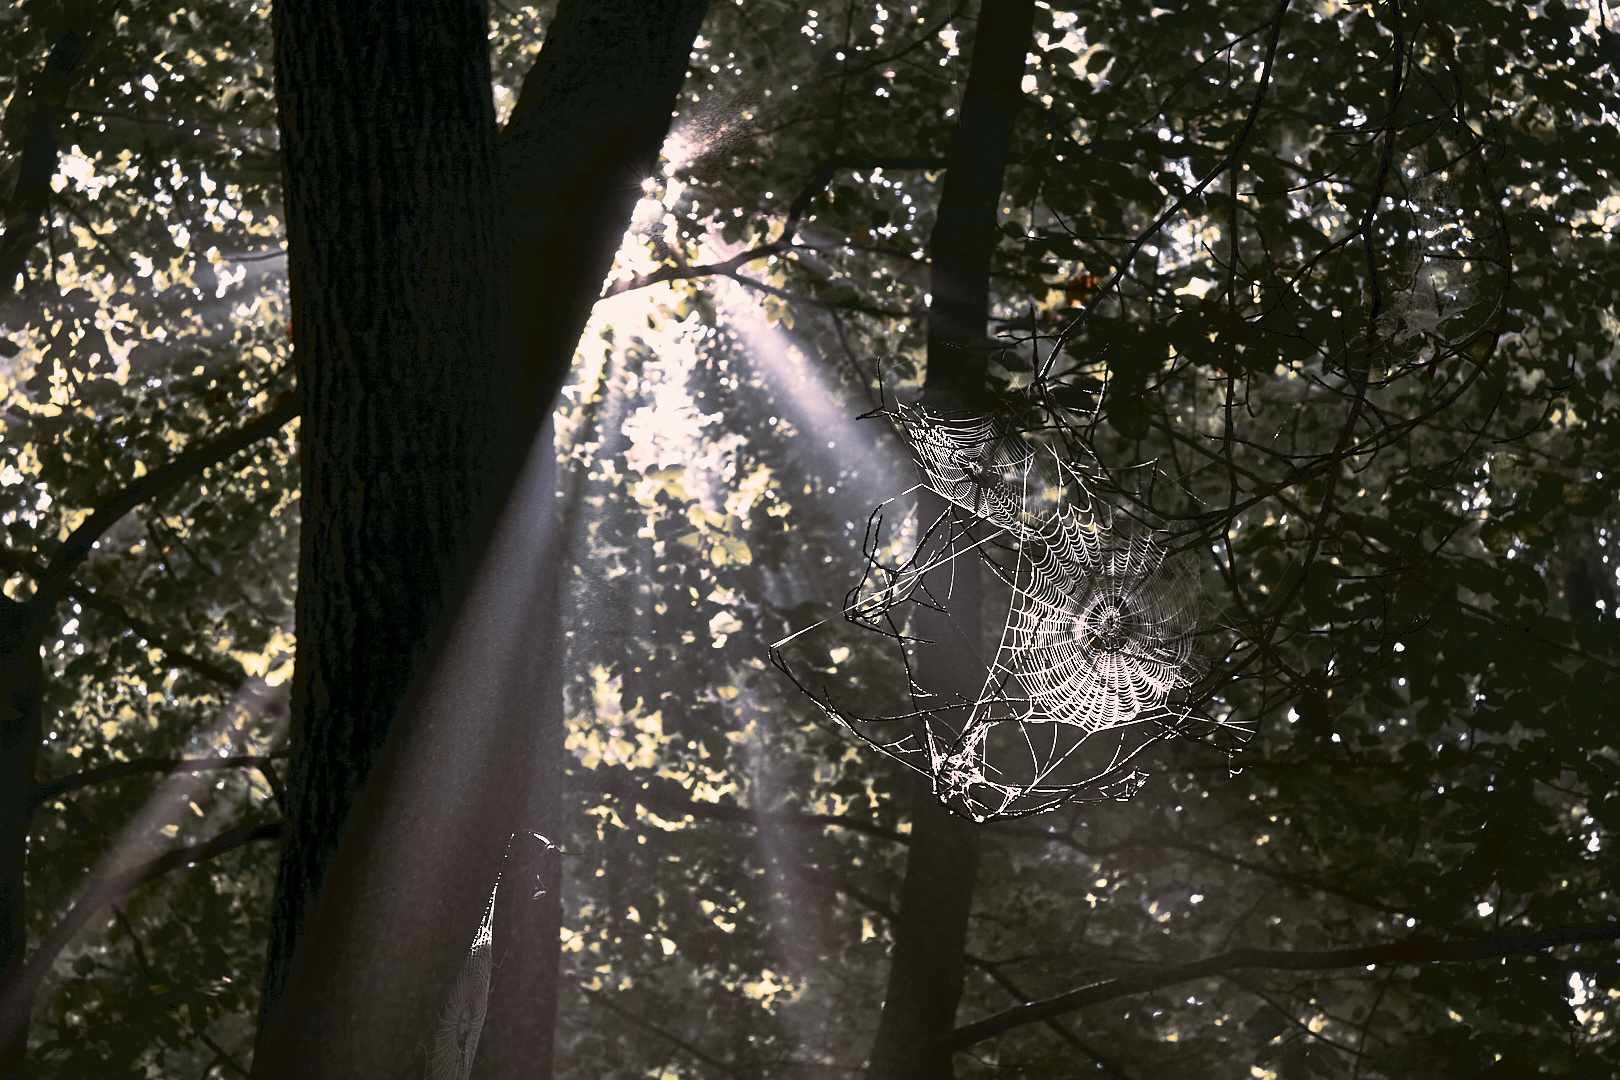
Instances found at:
x=930 y=932
x=427 y=717
x=389 y=150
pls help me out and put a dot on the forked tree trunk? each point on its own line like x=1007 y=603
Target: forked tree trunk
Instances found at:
x=588 y=128
x=427 y=719
x=930 y=933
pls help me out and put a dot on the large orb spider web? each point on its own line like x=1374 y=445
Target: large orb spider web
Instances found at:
x=1095 y=652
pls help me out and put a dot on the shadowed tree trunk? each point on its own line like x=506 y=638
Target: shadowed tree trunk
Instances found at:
x=19 y=746
x=388 y=144
x=441 y=278
x=930 y=931
x=34 y=122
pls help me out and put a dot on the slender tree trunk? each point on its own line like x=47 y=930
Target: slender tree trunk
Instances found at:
x=38 y=130
x=34 y=120
x=930 y=932
x=926 y=966
x=20 y=678
x=427 y=717
x=965 y=230
x=23 y=626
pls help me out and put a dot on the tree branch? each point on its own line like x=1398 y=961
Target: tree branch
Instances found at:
x=1104 y=1062
x=1157 y=978
x=1152 y=230
x=790 y=228
x=17 y=992
x=77 y=547
x=118 y=770
x=1288 y=876
x=599 y=998
x=1288 y=1015
x=666 y=795
x=176 y=656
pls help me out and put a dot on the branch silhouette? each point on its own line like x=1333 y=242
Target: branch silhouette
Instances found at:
x=77 y=547
x=17 y=993
x=1157 y=978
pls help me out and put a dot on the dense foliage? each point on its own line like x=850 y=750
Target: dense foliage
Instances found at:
x=1329 y=291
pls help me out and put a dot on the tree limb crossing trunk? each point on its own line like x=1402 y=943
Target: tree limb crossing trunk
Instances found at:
x=930 y=932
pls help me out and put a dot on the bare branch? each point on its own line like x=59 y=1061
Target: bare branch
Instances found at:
x=1157 y=978
x=790 y=228
x=77 y=547
x=118 y=770
x=599 y=998
x=1288 y=1015
x=1104 y=1062
x=221 y=1056
x=1163 y=843
x=17 y=991
x=176 y=656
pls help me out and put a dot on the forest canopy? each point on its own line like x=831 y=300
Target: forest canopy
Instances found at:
x=1317 y=297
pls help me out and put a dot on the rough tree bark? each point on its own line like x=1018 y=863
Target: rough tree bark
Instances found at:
x=930 y=932
x=441 y=279
x=388 y=145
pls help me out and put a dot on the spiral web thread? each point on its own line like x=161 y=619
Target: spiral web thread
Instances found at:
x=1097 y=643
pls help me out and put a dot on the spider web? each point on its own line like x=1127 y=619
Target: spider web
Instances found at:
x=1096 y=647
x=455 y=1040
x=1457 y=251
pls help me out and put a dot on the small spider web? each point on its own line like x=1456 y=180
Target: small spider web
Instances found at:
x=455 y=1040
x=1456 y=252
x=990 y=471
